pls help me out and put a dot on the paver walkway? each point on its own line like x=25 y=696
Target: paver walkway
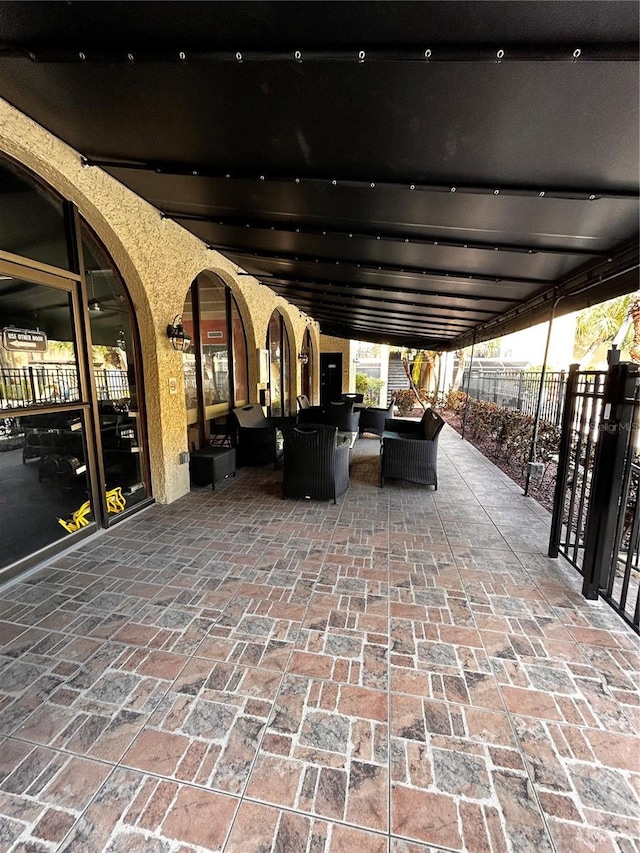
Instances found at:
x=405 y=672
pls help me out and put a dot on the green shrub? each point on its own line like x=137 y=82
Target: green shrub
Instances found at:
x=370 y=387
x=404 y=401
x=509 y=432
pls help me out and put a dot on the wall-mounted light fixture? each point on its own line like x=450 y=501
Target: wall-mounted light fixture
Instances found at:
x=176 y=333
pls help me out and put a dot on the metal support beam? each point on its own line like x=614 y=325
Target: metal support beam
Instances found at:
x=466 y=402
x=410 y=184
x=357 y=234
x=309 y=284
x=369 y=266
x=536 y=420
x=426 y=54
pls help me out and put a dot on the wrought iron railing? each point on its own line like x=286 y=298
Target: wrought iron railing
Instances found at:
x=518 y=390
x=596 y=518
x=584 y=396
x=49 y=383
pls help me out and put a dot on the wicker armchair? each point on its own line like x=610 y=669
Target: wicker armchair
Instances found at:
x=352 y=398
x=409 y=450
x=303 y=402
x=255 y=437
x=342 y=416
x=372 y=420
x=316 y=462
x=310 y=415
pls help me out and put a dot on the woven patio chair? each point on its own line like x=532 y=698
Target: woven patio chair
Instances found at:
x=255 y=437
x=342 y=415
x=372 y=420
x=316 y=462
x=409 y=450
x=352 y=398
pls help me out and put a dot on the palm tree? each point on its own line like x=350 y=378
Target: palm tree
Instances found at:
x=634 y=312
x=604 y=323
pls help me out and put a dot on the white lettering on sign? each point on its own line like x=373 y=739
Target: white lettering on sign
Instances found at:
x=24 y=340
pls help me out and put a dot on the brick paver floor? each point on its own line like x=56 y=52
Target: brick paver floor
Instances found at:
x=405 y=672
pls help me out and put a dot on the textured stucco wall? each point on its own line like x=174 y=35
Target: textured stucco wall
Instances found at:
x=158 y=260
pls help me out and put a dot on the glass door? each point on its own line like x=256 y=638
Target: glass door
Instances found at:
x=46 y=443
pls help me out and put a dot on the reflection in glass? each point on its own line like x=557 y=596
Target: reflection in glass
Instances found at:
x=37 y=350
x=275 y=357
x=114 y=369
x=213 y=335
x=43 y=482
x=189 y=367
x=31 y=219
x=240 y=378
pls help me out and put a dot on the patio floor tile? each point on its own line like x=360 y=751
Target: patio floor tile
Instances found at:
x=404 y=672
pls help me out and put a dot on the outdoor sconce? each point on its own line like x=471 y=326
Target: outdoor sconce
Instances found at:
x=303 y=357
x=180 y=340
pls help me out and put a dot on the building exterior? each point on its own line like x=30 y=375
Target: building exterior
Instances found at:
x=90 y=278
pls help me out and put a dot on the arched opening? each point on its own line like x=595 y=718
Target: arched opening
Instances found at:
x=279 y=366
x=72 y=428
x=306 y=370
x=215 y=365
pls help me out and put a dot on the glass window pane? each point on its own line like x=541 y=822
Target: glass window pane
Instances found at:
x=285 y=369
x=240 y=378
x=215 y=345
x=275 y=355
x=114 y=368
x=31 y=220
x=37 y=348
x=189 y=364
x=44 y=483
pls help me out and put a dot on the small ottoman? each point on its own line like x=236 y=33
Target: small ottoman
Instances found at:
x=210 y=464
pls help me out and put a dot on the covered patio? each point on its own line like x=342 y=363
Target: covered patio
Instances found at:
x=406 y=671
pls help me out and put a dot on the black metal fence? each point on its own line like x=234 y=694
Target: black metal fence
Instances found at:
x=596 y=520
x=583 y=405
x=518 y=390
x=46 y=383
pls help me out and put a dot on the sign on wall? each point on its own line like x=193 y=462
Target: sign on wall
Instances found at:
x=24 y=340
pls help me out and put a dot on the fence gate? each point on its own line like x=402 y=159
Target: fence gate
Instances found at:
x=596 y=519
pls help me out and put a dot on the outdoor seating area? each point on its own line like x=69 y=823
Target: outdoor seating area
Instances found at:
x=247 y=604
x=403 y=672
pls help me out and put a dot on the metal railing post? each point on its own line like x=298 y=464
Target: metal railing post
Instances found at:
x=564 y=453
x=608 y=471
x=466 y=402
x=536 y=422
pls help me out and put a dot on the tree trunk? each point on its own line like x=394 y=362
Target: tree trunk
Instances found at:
x=462 y=357
x=412 y=384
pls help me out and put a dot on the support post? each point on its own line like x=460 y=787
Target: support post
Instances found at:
x=466 y=402
x=608 y=470
x=564 y=454
x=536 y=422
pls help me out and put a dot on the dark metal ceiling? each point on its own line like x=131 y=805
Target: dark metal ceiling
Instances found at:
x=412 y=173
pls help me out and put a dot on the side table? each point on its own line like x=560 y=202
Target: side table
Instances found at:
x=210 y=464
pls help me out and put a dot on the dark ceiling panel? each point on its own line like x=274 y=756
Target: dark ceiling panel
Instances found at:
x=221 y=25
x=475 y=190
